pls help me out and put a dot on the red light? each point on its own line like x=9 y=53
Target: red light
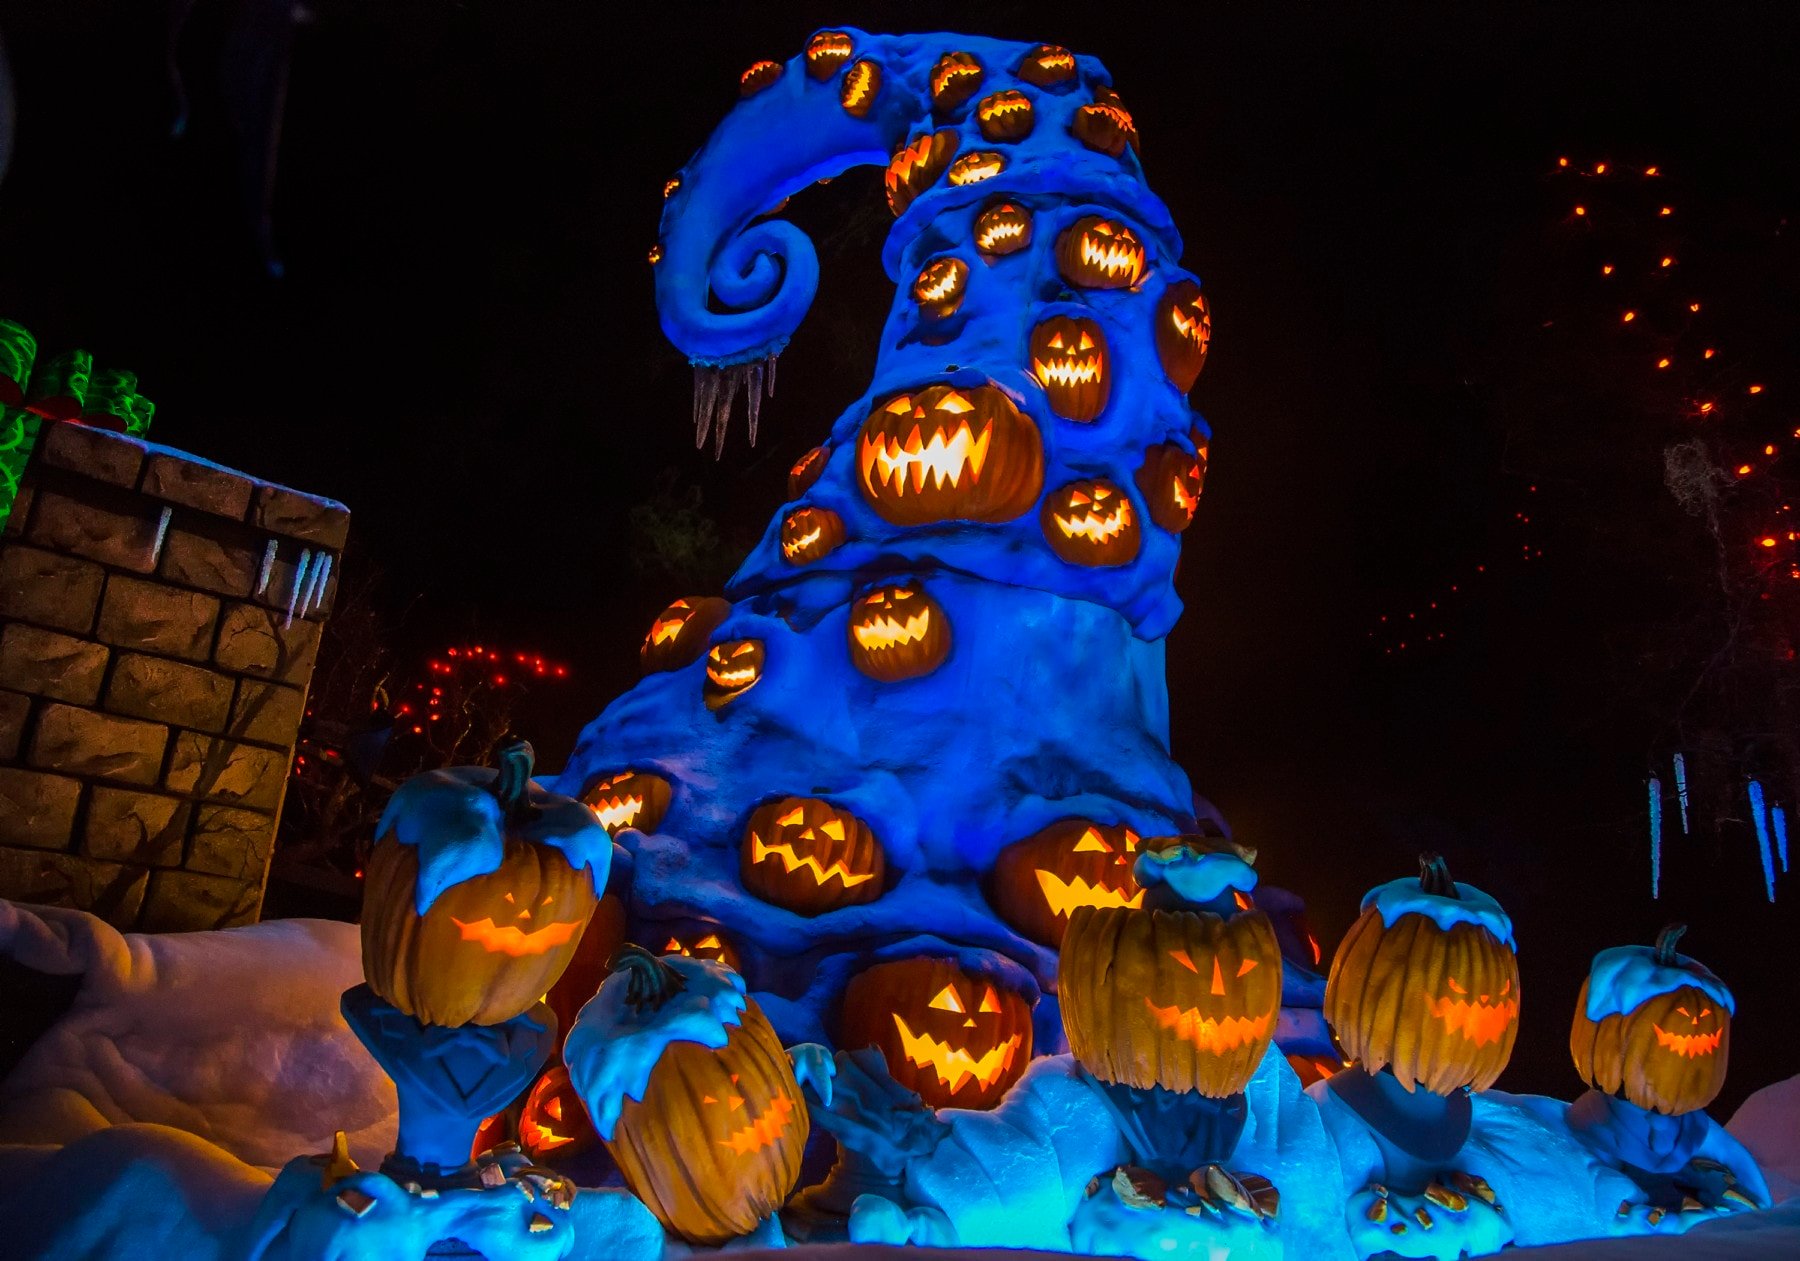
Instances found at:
x=1667 y=261
x=1606 y=269
x=1580 y=210
x=560 y=672
x=1707 y=353
x=1743 y=470
x=1649 y=170
x=1666 y=211
x=1562 y=161
x=1662 y=363
x=1629 y=316
x=1705 y=408
x=500 y=680
x=1768 y=540
x=1756 y=389
x=1600 y=168
x=450 y=651
x=1769 y=450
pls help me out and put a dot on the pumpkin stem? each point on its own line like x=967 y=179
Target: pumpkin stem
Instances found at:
x=649 y=982
x=1434 y=877
x=1665 y=944
x=512 y=785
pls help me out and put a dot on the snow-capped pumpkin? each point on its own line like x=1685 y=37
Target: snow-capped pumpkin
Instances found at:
x=1003 y=227
x=1099 y=253
x=1654 y=1026
x=916 y=164
x=1068 y=357
x=1183 y=991
x=1005 y=116
x=554 y=1122
x=948 y=453
x=809 y=534
x=1426 y=983
x=1091 y=523
x=628 y=799
x=1038 y=882
x=733 y=667
x=691 y=1092
x=1183 y=332
x=1169 y=480
x=678 y=635
x=897 y=632
x=477 y=892
x=957 y=1038
x=810 y=856
x=954 y=79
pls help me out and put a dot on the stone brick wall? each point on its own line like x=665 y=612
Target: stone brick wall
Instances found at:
x=159 y=617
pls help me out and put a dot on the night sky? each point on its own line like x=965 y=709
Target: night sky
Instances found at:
x=465 y=351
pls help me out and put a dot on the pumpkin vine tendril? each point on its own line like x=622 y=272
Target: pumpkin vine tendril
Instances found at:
x=649 y=982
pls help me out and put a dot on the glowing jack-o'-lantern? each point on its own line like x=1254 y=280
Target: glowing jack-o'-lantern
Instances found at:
x=958 y=1039
x=488 y=947
x=806 y=471
x=1185 y=999
x=1038 y=882
x=713 y=1144
x=554 y=1122
x=1003 y=227
x=810 y=533
x=825 y=52
x=810 y=856
x=1426 y=983
x=916 y=165
x=1099 y=253
x=946 y=453
x=1091 y=523
x=954 y=80
x=670 y=185
x=1047 y=66
x=1068 y=357
x=1005 y=116
x=630 y=799
x=898 y=632
x=704 y=943
x=1183 y=331
x=678 y=635
x=940 y=286
x=1169 y=480
x=861 y=84
x=759 y=76
x=972 y=168
x=1106 y=125
x=1654 y=1026
x=732 y=668
x=656 y=254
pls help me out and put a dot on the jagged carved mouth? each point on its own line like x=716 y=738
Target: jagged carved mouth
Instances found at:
x=942 y=459
x=1481 y=1022
x=765 y=1131
x=1070 y=371
x=886 y=631
x=860 y=85
x=615 y=813
x=1192 y=326
x=1208 y=1033
x=1063 y=896
x=1096 y=527
x=791 y=860
x=954 y=1065
x=511 y=940
x=972 y=168
x=1118 y=259
x=995 y=235
x=1688 y=1045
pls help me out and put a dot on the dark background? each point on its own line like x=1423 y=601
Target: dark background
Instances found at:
x=464 y=349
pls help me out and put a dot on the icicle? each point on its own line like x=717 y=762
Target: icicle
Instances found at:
x=1760 y=817
x=162 y=532
x=753 y=397
x=315 y=587
x=716 y=389
x=706 y=389
x=1655 y=787
x=728 y=387
x=268 y=568
x=300 y=568
x=1681 y=790
x=769 y=376
x=1778 y=817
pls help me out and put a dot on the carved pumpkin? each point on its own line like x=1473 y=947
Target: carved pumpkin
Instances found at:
x=1426 y=983
x=713 y=1145
x=629 y=799
x=656 y=254
x=492 y=1132
x=1003 y=227
x=487 y=947
x=1047 y=66
x=1185 y=999
x=759 y=76
x=945 y=453
x=1106 y=125
x=1005 y=116
x=1068 y=357
x=898 y=632
x=581 y=980
x=1038 y=882
x=811 y=857
x=825 y=52
x=940 y=286
x=554 y=1122
x=670 y=185
x=958 y=1039
x=1654 y=1026
x=810 y=533
x=954 y=80
x=1091 y=523
x=857 y=96
x=1169 y=480
x=972 y=168
x=732 y=668
x=678 y=635
x=704 y=943
x=916 y=165
x=806 y=471
x=1183 y=331
x=1098 y=253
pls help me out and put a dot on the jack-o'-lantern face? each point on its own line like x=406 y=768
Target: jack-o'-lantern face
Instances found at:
x=807 y=534
x=1098 y=253
x=630 y=799
x=732 y=668
x=656 y=254
x=1183 y=332
x=806 y=471
x=516 y=933
x=759 y=76
x=810 y=856
x=1047 y=66
x=958 y=1039
x=946 y=453
x=1106 y=125
x=1068 y=357
x=825 y=52
x=940 y=286
x=678 y=635
x=1003 y=227
x=670 y=185
x=1005 y=116
x=954 y=80
x=1091 y=523
x=898 y=632
x=1202 y=992
x=1480 y=1018
x=916 y=165
x=703 y=943
x=972 y=168
x=1038 y=882
x=857 y=96
x=554 y=1122
x=1170 y=481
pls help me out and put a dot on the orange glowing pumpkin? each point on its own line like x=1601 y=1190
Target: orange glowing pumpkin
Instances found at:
x=1068 y=357
x=810 y=856
x=628 y=799
x=806 y=471
x=1091 y=523
x=1183 y=332
x=974 y=167
x=898 y=632
x=1169 y=480
x=703 y=943
x=1003 y=227
x=1038 y=882
x=946 y=453
x=1048 y=66
x=678 y=635
x=554 y=1123
x=733 y=667
x=1100 y=253
x=857 y=96
x=954 y=79
x=1106 y=125
x=916 y=165
x=825 y=52
x=808 y=534
x=1005 y=116
x=958 y=1039
x=759 y=76
x=940 y=286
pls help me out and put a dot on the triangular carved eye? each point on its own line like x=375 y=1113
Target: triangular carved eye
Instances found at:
x=1100 y=492
x=673 y=948
x=1131 y=841
x=1078 y=498
x=793 y=818
x=990 y=1003
x=1087 y=343
x=1181 y=957
x=1704 y=1013
x=833 y=828
x=1092 y=842
x=1056 y=342
x=709 y=942
x=1246 y=966
x=947 y=1000
x=743 y=648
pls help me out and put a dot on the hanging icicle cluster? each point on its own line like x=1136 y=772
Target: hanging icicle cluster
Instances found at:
x=1655 y=837
x=1759 y=816
x=1769 y=821
x=715 y=389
